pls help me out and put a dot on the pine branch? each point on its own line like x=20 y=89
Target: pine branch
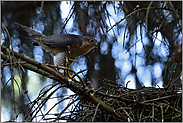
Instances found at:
x=55 y=75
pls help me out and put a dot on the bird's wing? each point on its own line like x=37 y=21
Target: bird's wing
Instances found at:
x=62 y=40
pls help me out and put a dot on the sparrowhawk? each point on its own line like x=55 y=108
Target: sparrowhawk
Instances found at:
x=62 y=45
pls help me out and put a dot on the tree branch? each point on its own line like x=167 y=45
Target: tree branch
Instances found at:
x=55 y=75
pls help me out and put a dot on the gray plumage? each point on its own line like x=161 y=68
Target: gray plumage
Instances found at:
x=62 y=45
x=54 y=40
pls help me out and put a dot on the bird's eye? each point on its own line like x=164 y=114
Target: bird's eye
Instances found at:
x=91 y=41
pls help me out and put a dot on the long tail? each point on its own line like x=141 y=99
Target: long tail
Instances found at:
x=27 y=29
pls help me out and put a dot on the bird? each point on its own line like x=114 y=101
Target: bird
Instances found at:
x=62 y=46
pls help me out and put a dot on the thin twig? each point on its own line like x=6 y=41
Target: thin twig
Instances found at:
x=66 y=108
x=142 y=9
x=96 y=109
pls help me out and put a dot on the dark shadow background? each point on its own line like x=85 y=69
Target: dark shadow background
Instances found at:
x=89 y=18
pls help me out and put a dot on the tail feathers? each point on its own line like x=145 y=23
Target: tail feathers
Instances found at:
x=31 y=31
x=34 y=37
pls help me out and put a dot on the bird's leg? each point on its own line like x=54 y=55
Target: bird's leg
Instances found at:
x=66 y=64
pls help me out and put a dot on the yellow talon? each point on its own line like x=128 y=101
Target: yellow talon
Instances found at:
x=69 y=75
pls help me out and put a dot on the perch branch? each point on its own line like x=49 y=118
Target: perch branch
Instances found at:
x=78 y=89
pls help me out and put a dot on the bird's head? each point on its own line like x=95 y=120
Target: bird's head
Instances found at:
x=91 y=41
